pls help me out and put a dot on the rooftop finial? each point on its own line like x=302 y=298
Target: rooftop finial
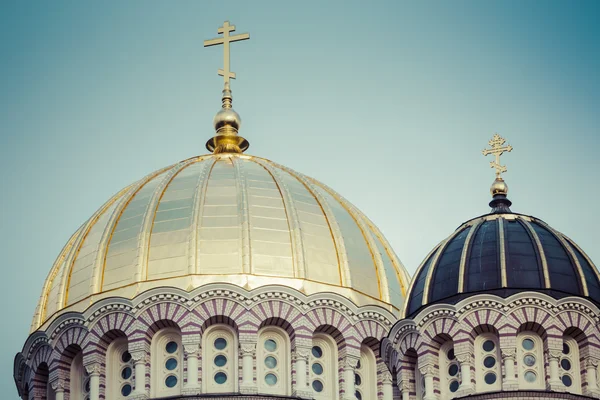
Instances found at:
x=499 y=189
x=227 y=122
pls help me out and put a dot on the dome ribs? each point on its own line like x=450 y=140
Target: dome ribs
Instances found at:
x=246 y=230
x=539 y=251
x=466 y=253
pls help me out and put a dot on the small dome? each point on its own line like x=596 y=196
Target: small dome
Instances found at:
x=224 y=218
x=503 y=254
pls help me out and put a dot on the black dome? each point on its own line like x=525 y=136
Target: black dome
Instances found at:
x=503 y=253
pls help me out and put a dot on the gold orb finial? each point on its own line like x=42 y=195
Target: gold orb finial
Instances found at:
x=497 y=149
x=227 y=122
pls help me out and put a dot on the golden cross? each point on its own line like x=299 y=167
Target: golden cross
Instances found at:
x=497 y=150
x=225 y=40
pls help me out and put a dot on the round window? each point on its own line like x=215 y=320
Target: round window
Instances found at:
x=565 y=364
x=171 y=347
x=529 y=360
x=220 y=360
x=220 y=378
x=453 y=370
x=489 y=362
x=126 y=373
x=358 y=395
x=126 y=357
x=270 y=345
x=358 y=365
x=488 y=345
x=126 y=390
x=87 y=386
x=271 y=379
x=530 y=376
x=317 y=352
x=357 y=379
x=171 y=364
x=317 y=386
x=490 y=378
x=451 y=354
x=270 y=362
x=454 y=386
x=528 y=344
x=220 y=344
x=566 y=380
x=171 y=381
x=317 y=368
x=566 y=348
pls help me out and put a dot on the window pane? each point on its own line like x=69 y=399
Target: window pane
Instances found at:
x=171 y=347
x=271 y=379
x=220 y=378
x=220 y=344
x=270 y=345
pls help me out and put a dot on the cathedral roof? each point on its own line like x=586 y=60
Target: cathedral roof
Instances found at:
x=226 y=217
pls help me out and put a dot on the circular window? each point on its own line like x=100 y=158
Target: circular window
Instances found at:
x=171 y=347
x=358 y=395
x=270 y=362
x=565 y=364
x=220 y=378
x=317 y=386
x=317 y=352
x=126 y=390
x=271 y=379
x=125 y=374
x=87 y=386
x=566 y=348
x=451 y=354
x=270 y=345
x=358 y=365
x=454 y=386
x=490 y=378
x=220 y=360
x=171 y=364
x=530 y=376
x=488 y=345
x=528 y=344
x=566 y=380
x=529 y=360
x=489 y=362
x=126 y=357
x=317 y=368
x=220 y=344
x=453 y=370
x=357 y=379
x=171 y=381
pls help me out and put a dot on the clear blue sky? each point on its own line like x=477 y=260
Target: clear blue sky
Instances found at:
x=390 y=103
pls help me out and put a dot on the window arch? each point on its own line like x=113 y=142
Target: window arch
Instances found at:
x=220 y=360
x=449 y=371
x=167 y=363
x=273 y=361
x=324 y=367
x=569 y=368
x=488 y=371
x=365 y=376
x=530 y=361
x=119 y=370
x=79 y=379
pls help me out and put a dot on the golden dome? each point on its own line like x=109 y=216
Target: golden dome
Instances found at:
x=229 y=218
x=499 y=187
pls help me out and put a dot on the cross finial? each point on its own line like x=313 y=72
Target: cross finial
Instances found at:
x=496 y=149
x=225 y=40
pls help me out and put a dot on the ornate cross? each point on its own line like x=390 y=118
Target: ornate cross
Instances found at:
x=497 y=150
x=225 y=40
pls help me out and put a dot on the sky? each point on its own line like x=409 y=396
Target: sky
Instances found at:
x=388 y=102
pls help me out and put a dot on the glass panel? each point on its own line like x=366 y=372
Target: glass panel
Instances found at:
x=358 y=395
x=271 y=379
x=490 y=378
x=567 y=381
x=566 y=348
x=220 y=360
x=529 y=360
x=270 y=345
x=454 y=386
x=270 y=362
x=126 y=373
x=317 y=386
x=317 y=352
x=522 y=268
x=357 y=379
x=482 y=271
x=444 y=282
x=171 y=381
x=220 y=378
x=126 y=390
x=126 y=357
x=171 y=364
x=530 y=376
x=317 y=368
x=489 y=362
x=453 y=370
x=220 y=344
x=451 y=355
x=488 y=345
x=565 y=364
x=528 y=344
x=171 y=347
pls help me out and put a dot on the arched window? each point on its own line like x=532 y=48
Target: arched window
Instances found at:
x=167 y=363
x=530 y=361
x=324 y=367
x=365 y=376
x=569 y=365
x=487 y=363
x=273 y=361
x=79 y=380
x=119 y=370
x=220 y=360
x=449 y=371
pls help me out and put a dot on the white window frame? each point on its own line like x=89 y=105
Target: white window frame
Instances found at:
x=159 y=372
x=209 y=352
x=329 y=361
x=282 y=354
x=367 y=372
x=481 y=370
x=575 y=371
x=114 y=366
x=444 y=364
x=537 y=368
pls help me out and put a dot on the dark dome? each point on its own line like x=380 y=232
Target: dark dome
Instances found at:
x=503 y=253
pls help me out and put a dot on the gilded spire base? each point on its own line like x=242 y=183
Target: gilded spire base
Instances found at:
x=227 y=122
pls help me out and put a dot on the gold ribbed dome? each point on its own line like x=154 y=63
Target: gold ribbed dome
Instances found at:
x=224 y=218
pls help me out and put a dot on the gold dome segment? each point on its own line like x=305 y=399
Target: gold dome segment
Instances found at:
x=230 y=218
